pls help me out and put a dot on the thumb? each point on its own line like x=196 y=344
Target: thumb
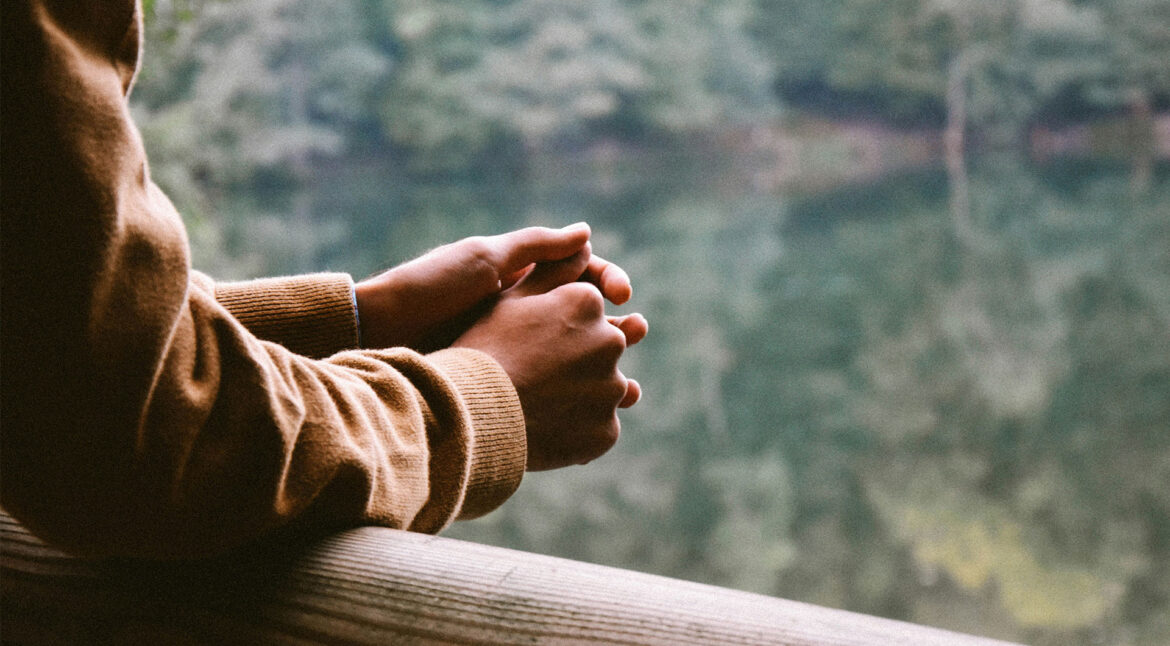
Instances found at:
x=548 y=276
x=519 y=249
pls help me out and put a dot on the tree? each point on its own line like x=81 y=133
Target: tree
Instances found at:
x=1138 y=35
x=477 y=75
x=248 y=94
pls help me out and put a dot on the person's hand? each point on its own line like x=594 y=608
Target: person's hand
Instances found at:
x=426 y=303
x=551 y=335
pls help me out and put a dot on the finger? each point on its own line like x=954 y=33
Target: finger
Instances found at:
x=612 y=280
x=507 y=280
x=634 y=326
x=606 y=436
x=519 y=249
x=633 y=394
x=548 y=276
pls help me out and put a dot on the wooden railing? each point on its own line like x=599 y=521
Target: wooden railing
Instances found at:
x=383 y=586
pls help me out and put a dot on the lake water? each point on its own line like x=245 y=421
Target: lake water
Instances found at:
x=853 y=397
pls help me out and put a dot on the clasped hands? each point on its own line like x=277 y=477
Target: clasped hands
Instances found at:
x=533 y=300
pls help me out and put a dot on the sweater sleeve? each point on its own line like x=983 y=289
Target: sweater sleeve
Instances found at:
x=313 y=315
x=140 y=417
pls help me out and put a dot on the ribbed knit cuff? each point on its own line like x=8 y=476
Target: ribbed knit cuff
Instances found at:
x=312 y=315
x=500 y=448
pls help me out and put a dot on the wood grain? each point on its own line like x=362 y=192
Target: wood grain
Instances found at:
x=384 y=586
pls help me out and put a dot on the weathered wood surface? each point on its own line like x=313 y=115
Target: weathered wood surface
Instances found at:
x=382 y=586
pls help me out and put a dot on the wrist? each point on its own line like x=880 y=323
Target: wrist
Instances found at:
x=374 y=303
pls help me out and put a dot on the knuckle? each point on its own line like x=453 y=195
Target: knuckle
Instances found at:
x=603 y=438
x=615 y=338
x=524 y=240
x=517 y=239
x=611 y=344
x=478 y=248
x=616 y=390
x=609 y=434
x=586 y=298
x=481 y=258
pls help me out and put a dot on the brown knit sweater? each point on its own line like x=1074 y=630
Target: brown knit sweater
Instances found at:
x=147 y=411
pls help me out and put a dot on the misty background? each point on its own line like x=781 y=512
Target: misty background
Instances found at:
x=906 y=265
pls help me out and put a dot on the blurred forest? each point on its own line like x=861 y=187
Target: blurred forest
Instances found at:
x=906 y=263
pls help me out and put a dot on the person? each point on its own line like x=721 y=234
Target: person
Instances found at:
x=150 y=412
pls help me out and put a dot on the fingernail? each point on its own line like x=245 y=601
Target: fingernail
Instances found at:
x=576 y=226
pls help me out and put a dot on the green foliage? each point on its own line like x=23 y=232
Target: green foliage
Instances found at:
x=844 y=405
x=243 y=86
x=239 y=94
x=1138 y=37
x=800 y=36
x=474 y=74
x=845 y=402
x=1024 y=59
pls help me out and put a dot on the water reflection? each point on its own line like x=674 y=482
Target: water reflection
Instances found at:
x=851 y=403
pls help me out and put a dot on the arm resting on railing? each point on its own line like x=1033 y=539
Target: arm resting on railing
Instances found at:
x=383 y=586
